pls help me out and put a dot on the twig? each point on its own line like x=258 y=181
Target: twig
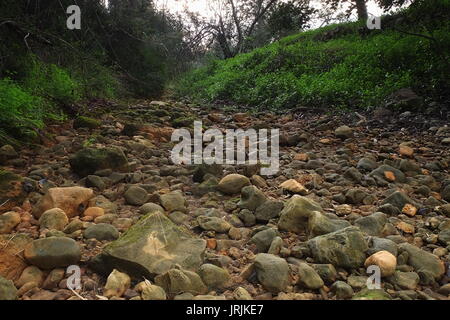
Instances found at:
x=76 y=293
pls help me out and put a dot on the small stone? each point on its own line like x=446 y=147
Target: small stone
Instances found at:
x=272 y=272
x=94 y=212
x=101 y=232
x=241 y=294
x=7 y=290
x=213 y=276
x=213 y=224
x=308 y=277
x=116 y=284
x=251 y=198
x=53 y=219
x=136 y=196
x=31 y=274
x=263 y=239
x=342 y=290
x=294 y=186
x=152 y=292
x=268 y=210
x=409 y=210
x=406 y=151
x=150 y=208
x=383 y=259
x=233 y=183
x=344 y=132
x=174 y=201
x=8 y=221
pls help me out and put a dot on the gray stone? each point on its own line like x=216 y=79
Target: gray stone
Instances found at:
x=308 y=277
x=53 y=252
x=150 y=208
x=399 y=200
x=405 y=280
x=177 y=280
x=213 y=224
x=7 y=289
x=344 y=132
x=342 y=290
x=136 y=196
x=251 y=198
x=263 y=239
x=174 y=201
x=379 y=172
x=272 y=272
x=296 y=213
x=381 y=244
x=233 y=183
x=268 y=210
x=344 y=248
x=320 y=224
x=367 y=164
x=101 y=231
x=53 y=219
x=89 y=160
x=372 y=225
x=213 y=276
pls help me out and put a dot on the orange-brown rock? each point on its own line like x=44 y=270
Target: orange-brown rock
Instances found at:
x=70 y=200
x=12 y=261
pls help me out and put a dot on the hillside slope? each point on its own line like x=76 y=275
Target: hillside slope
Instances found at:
x=345 y=65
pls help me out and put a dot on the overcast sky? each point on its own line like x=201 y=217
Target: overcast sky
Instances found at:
x=201 y=6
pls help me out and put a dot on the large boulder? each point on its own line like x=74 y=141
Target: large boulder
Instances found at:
x=344 y=248
x=152 y=246
x=296 y=213
x=70 y=200
x=88 y=160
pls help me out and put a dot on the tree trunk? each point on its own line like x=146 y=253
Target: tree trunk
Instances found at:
x=361 y=7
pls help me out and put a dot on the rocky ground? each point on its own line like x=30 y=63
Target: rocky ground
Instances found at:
x=353 y=191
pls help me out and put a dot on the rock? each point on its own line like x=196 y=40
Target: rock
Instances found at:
x=344 y=248
x=320 y=224
x=247 y=217
x=94 y=212
x=135 y=196
x=7 y=290
x=399 y=200
x=263 y=239
x=251 y=198
x=444 y=237
x=241 y=294
x=445 y=289
x=383 y=259
x=151 y=247
x=353 y=174
x=152 y=292
x=173 y=201
x=343 y=132
x=233 y=183
x=116 y=284
x=214 y=224
x=89 y=160
x=55 y=219
x=7 y=152
x=85 y=122
x=53 y=279
x=380 y=173
x=296 y=213
x=371 y=294
x=294 y=187
x=30 y=274
x=342 y=290
x=276 y=246
x=404 y=99
x=8 y=221
x=150 y=208
x=95 y=182
x=372 y=225
x=203 y=169
x=423 y=262
x=268 y=210
x=308 y=277
x=380 y=244
x=176 y=281
x=327 y=272
x=101 y=232
x=272 y=272
x=213 y=276
x=445 y=193
x=53 y=252
x=405 y=280
x=101 y=202
x=11 y=190
x=355 y=196
x=367 y=164
x=69 y=200
x=12 y=261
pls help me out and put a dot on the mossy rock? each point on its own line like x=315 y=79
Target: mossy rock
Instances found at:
x=372 y=294
x=131 y=129
x=88 y=160
x=86 y=122
x=151 y=247
x=11 y=190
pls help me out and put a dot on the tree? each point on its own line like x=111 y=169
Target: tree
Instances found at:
x=289 y=17
x=359 y=5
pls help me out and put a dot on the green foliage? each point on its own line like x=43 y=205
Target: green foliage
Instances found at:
x=349 y=70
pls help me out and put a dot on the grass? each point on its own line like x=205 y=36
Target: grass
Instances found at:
x=353 y=69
